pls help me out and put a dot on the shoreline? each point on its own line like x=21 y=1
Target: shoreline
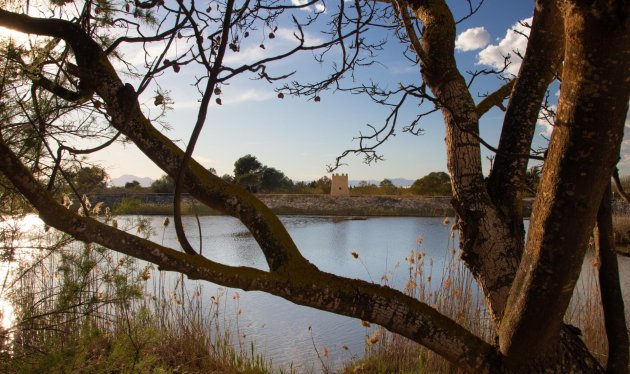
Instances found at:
x=294 y=204
x=291 y=204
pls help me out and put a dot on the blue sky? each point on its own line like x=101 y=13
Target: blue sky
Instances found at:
x=300 y=136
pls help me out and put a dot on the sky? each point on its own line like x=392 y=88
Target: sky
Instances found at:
x=301 y=137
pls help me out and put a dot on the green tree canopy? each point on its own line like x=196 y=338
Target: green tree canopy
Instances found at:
x=247 y=164
x=436 y=183
x=273 y=179
x=132 y=185
x=164 y=184
x=89 y=179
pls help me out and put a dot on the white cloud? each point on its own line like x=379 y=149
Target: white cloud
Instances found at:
x=289 y=34
x=246 y=55
x=513 y=43
x=320 y=7
x=471 y=39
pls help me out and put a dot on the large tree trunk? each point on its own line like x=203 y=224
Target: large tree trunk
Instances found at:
x=571 y=189
x=542 y=61
x=487 y=243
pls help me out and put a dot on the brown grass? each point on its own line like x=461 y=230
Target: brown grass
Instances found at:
x=82 y=308
x=457 y=296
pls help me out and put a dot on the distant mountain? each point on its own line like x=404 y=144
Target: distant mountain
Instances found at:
x=400 y=182
x=123 y=179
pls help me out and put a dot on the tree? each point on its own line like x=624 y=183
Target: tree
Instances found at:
x=164 y=184
x=324 y=184
x=532 y=178
x=527 y=284
x=273 y=180
x=89 y=179
x=247 y=164
x=435 y=183
x=386 y=183
x=387 y=187
x=132 y=185
x=250 y=181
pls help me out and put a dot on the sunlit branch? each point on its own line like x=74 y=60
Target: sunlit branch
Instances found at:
x=495 y=99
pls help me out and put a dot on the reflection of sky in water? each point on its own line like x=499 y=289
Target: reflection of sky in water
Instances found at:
x=27 y=236
x=280 y=329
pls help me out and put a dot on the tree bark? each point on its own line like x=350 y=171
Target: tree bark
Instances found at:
x=541 y=62
x=581 y=157
x=485 y=239
x=610 y=289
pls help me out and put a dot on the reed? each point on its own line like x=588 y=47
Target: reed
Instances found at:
x=456 y=294
x=82 y=308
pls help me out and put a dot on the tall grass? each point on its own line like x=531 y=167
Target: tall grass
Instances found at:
x=82 y=308
x=456 y=294
x=453 y=292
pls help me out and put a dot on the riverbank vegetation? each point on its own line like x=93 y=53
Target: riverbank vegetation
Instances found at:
x=83 y=308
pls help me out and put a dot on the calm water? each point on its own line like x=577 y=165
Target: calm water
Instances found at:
x=280 y=329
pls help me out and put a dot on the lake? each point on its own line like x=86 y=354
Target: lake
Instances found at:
x=280 y=329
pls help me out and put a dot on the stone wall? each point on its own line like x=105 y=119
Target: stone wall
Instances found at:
x=359 y=205
x=318 y=204
x=417 y=206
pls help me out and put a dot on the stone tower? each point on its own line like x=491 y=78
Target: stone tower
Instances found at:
x=339 y=185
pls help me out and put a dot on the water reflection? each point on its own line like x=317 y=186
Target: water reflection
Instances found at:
x=281 y=330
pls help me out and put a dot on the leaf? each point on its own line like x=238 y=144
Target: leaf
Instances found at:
x=262 y=46
x=271 y=35
x=176 y=67
x=280 y=95
x=317 y=99
x=217 y=91
x=246 y=34
x=218 y=100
